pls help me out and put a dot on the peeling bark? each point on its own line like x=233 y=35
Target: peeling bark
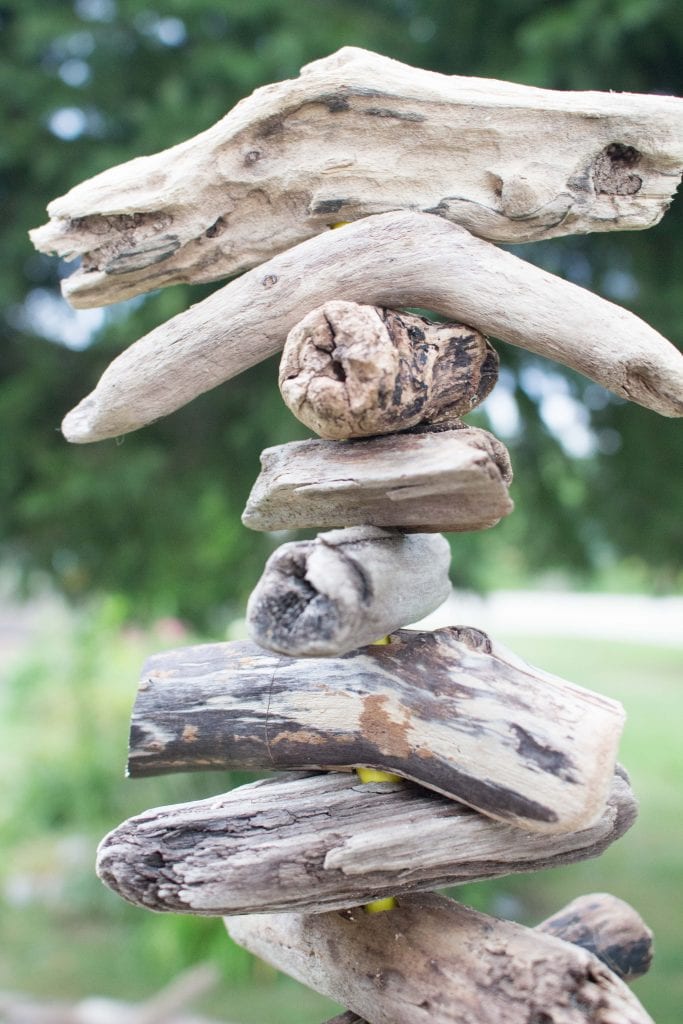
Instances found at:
x=355 y=371
x=449 y=709
x=329 y=842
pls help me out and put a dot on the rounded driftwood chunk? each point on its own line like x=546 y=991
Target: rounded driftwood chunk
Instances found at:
x=346 y=589
x=349 y=370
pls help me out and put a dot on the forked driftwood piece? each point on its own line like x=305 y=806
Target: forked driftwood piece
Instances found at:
x=433 y=961
x=346 y=589
x=357 y=134
x=449 y=481
x=391 y=260
x=449 y=709
x=354 y=371
x=600 y=923
x=329 y=842
x=608 y=927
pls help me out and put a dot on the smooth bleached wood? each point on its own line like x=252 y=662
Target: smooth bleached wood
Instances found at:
x=434 y=961
x=329 y=842
x=391 y=260
x=346 y=589
x=449 y=481
x=449 y=709
x=359 y=134
x=355 y=371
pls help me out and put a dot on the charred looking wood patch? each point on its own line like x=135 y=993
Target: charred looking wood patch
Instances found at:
x=613 y=171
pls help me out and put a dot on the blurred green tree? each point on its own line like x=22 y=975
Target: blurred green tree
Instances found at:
x=91 y=83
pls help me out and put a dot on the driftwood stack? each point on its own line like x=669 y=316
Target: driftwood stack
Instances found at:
x=410 y=760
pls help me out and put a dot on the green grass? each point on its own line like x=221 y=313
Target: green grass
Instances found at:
x=63 y=730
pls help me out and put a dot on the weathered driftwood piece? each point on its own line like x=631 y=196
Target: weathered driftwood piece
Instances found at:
x=433 y=961
x=608 y=927
x=329 y=842
x=354 y=371
x=358 y=134
x=449 y=709
x=346 y=589
x=391 y=260
x=453 y=480
x=599 y=922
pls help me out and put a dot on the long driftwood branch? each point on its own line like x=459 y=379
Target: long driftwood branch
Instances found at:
x=391 y=260
x=329 y=842
x=448 y=709
x=450 y=481
x=354 y=371
x=604 y=925
x=433 y=961
x=346 y=589
x=359 y=134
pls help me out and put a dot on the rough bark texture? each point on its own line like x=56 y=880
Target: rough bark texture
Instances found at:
x=354 y=371
x=329 y=842
x=450 y=481
x=391 y=260
x=359 y=134
x=433 y=961
x=608 y=927
x=448 y=709
x=346 y=589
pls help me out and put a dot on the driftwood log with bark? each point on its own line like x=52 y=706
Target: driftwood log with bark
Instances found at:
x=449 y=709
x=354 y=371
x=346 y=589
x=391 y=260
x=358 y=134
x=434 y=961
x=451 y=481
x=329 y=842
x=604 y=925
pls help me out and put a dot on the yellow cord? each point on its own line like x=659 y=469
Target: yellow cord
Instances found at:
x=339 y=224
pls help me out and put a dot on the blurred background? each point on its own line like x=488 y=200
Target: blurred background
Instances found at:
x=114 y=550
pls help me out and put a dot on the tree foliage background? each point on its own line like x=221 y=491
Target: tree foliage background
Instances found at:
x=156 y=519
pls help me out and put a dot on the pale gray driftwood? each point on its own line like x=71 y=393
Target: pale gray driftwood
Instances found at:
x=608 y=927
x=329 y=842
x=354 y=371
x=451 y=481
x=449 y=709
x=600 y=923
x=433 y=961
x=392 y=260
x=346 y=589
x=358 y=134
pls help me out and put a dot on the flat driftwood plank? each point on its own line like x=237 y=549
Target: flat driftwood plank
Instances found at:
x=391 y=260
x=358 y=134
x=451 y=481
x=354 y=371
x=329 y=842
x=448 y=709
x=434 y=961
x=346 y=589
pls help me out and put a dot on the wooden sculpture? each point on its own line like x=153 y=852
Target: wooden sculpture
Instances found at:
x=481 y=764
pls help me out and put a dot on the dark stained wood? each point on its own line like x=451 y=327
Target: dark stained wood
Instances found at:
x=328 y=842
x=449 y=709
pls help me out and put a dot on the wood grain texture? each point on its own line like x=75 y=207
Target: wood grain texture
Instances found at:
x=450 y=481
x=449 y=709
x=355 y=371
x=345 y=589
x=328 y=842
x=608 y=927
x=359 y=134
x=391 y=260
x=434 y=961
